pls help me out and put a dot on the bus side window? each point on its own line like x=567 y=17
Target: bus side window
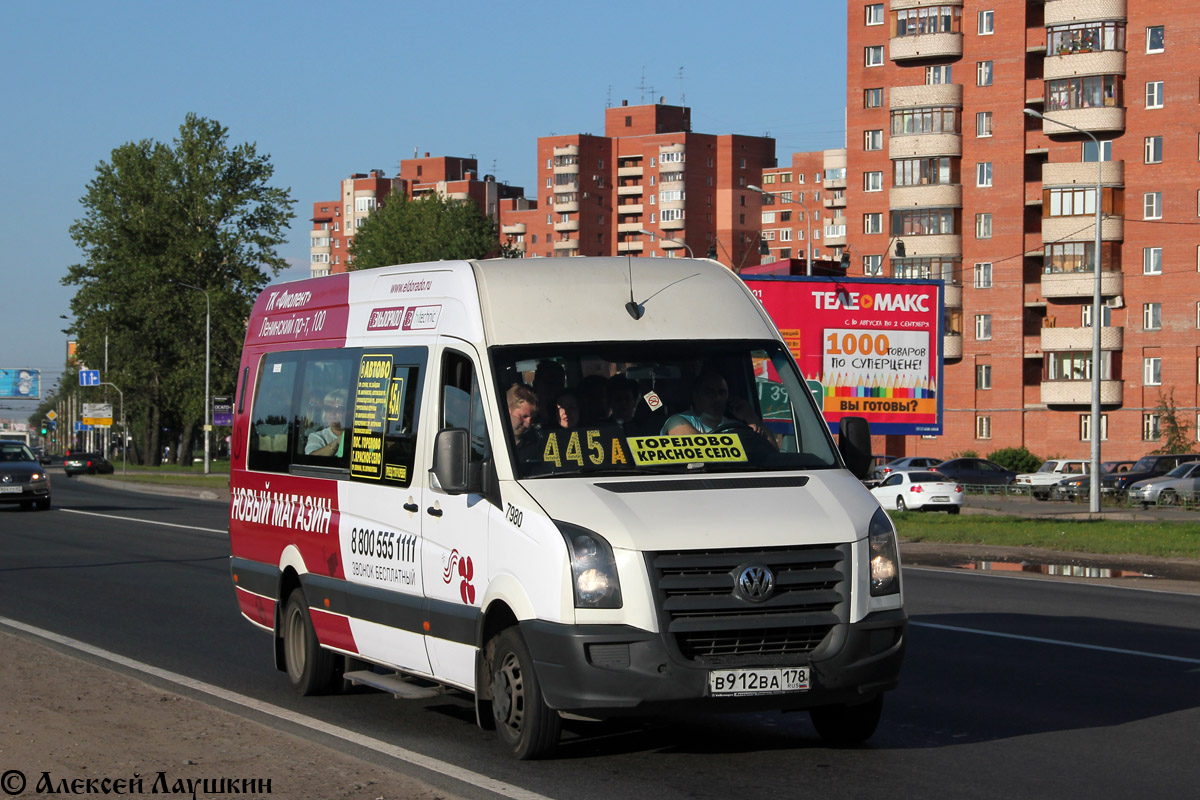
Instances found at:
x=271 y=426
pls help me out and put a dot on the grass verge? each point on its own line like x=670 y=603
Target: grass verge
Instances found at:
x=1116 y=537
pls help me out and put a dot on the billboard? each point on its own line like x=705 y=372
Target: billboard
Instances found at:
x=868 y=347
x=21 y=383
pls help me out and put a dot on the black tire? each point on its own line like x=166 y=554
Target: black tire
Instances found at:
x=954 y=509
x=1168 y=498
x=846 y=726
x=310 y=667
x=524 y=723
x=43 y=505
x=900 y=504
x=1040 y=495
x=27 y=505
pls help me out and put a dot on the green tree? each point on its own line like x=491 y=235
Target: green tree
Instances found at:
x=1173 y=429
x=1018 y=459
x=199 y=211
x=430 y=228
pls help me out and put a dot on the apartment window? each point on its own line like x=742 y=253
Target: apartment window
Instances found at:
x=1151 y=260
x=1105 y=316
x=945 y=268
x=1152 y=371
x=873 y=140
x=785 y=234
x=983 y=173
x=983 y=276
x=1151 y=316
x=935 y=119
x=786 y=197
x=928 y=19
x=921 y=171
x=1155 y=39
x=983 y=427
x=1154 y=94
x=1085 y=427
x=1084 y=92
x=1084 y=37
x=872 y=98
x=987 y=20
x=873 y=223
x=983 y=327
x=1152 y=205
x=925 y=222
x=872 y=181
x=983 y=124
x=768 y=217
x=983 y=73
x=1089 y=151
x=983 y=376
x=983 y=226
x=939 y=74
x=1154 y=149
x=1151 y=427
x=364 y=204
x=873 y=265
x=1075 y=202
x=875 y=14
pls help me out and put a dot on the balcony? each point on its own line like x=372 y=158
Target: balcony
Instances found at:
x=629 y=227
x=1068 y=65
x=1095 y=119
x=944 y=195
x=834 y=199
x=919 y=145
x=1058 y=339
x=567 y=244
x=567 y=150
x=925 y=45
x=566 y=169
x=629 y=172
x=938 y=94
x=517 y=229
x=629 y=247
x=1075 y=173
x=952 y=345
x=629 y=208
x=835 y=183
x=953 y=295
x=672 y=224
x=624 y=191
x=1081 y=229
x=1064 y=12
x=670 y=244
x=835 y=235
x=1079 y=393
x=566 y=208
x=931 y=245
x=1081 y=284
x=569 y=225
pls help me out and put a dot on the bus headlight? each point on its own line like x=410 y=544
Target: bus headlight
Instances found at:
x=885 y=557
x=594 y=578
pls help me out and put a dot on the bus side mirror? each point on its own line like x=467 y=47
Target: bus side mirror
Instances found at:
x=854 y=443
x=451 y=454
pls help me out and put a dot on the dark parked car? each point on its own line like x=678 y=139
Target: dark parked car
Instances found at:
x=1147 y=467
x=1080 y=486
x=975 y=472
x=22 y=479
x=87 y=464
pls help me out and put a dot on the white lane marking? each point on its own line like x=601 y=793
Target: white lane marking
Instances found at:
x=145 y=521
x=1060 y=642
x=345 y=734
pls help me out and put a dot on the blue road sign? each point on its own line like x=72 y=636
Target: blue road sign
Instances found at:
x=80 y=427
x=89 y=377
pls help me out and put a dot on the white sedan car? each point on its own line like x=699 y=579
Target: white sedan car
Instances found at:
x=918 y=491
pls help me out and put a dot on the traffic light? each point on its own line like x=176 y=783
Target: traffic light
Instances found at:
x=45 y=427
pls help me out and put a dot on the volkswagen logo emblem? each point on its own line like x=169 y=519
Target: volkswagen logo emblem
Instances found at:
x=754 y=583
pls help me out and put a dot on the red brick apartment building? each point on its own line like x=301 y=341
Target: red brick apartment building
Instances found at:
x=335 y=221
x=941 y=159
x=649 y=172
x=802 y=212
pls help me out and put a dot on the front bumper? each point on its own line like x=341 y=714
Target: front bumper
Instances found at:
x=612 y=670
x=38 y=490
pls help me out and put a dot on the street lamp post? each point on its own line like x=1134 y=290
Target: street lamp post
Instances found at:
x=670 y=239
x=1094 y=503
x=207 y=363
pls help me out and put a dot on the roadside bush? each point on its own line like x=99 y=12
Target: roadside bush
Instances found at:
x=1018 y=459
x=965 y=454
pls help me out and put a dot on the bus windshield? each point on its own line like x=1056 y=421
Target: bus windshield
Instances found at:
x=658 y=407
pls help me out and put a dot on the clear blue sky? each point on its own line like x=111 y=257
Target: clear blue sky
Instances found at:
x=327 y=90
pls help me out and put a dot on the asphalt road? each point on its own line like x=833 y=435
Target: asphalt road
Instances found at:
x=1011 y=686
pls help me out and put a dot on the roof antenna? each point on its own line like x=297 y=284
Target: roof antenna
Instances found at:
x=635 y=309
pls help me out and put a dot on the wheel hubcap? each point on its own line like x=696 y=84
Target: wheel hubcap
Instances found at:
x=508 y=693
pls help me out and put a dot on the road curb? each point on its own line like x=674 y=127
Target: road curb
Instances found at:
x=220 y=495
